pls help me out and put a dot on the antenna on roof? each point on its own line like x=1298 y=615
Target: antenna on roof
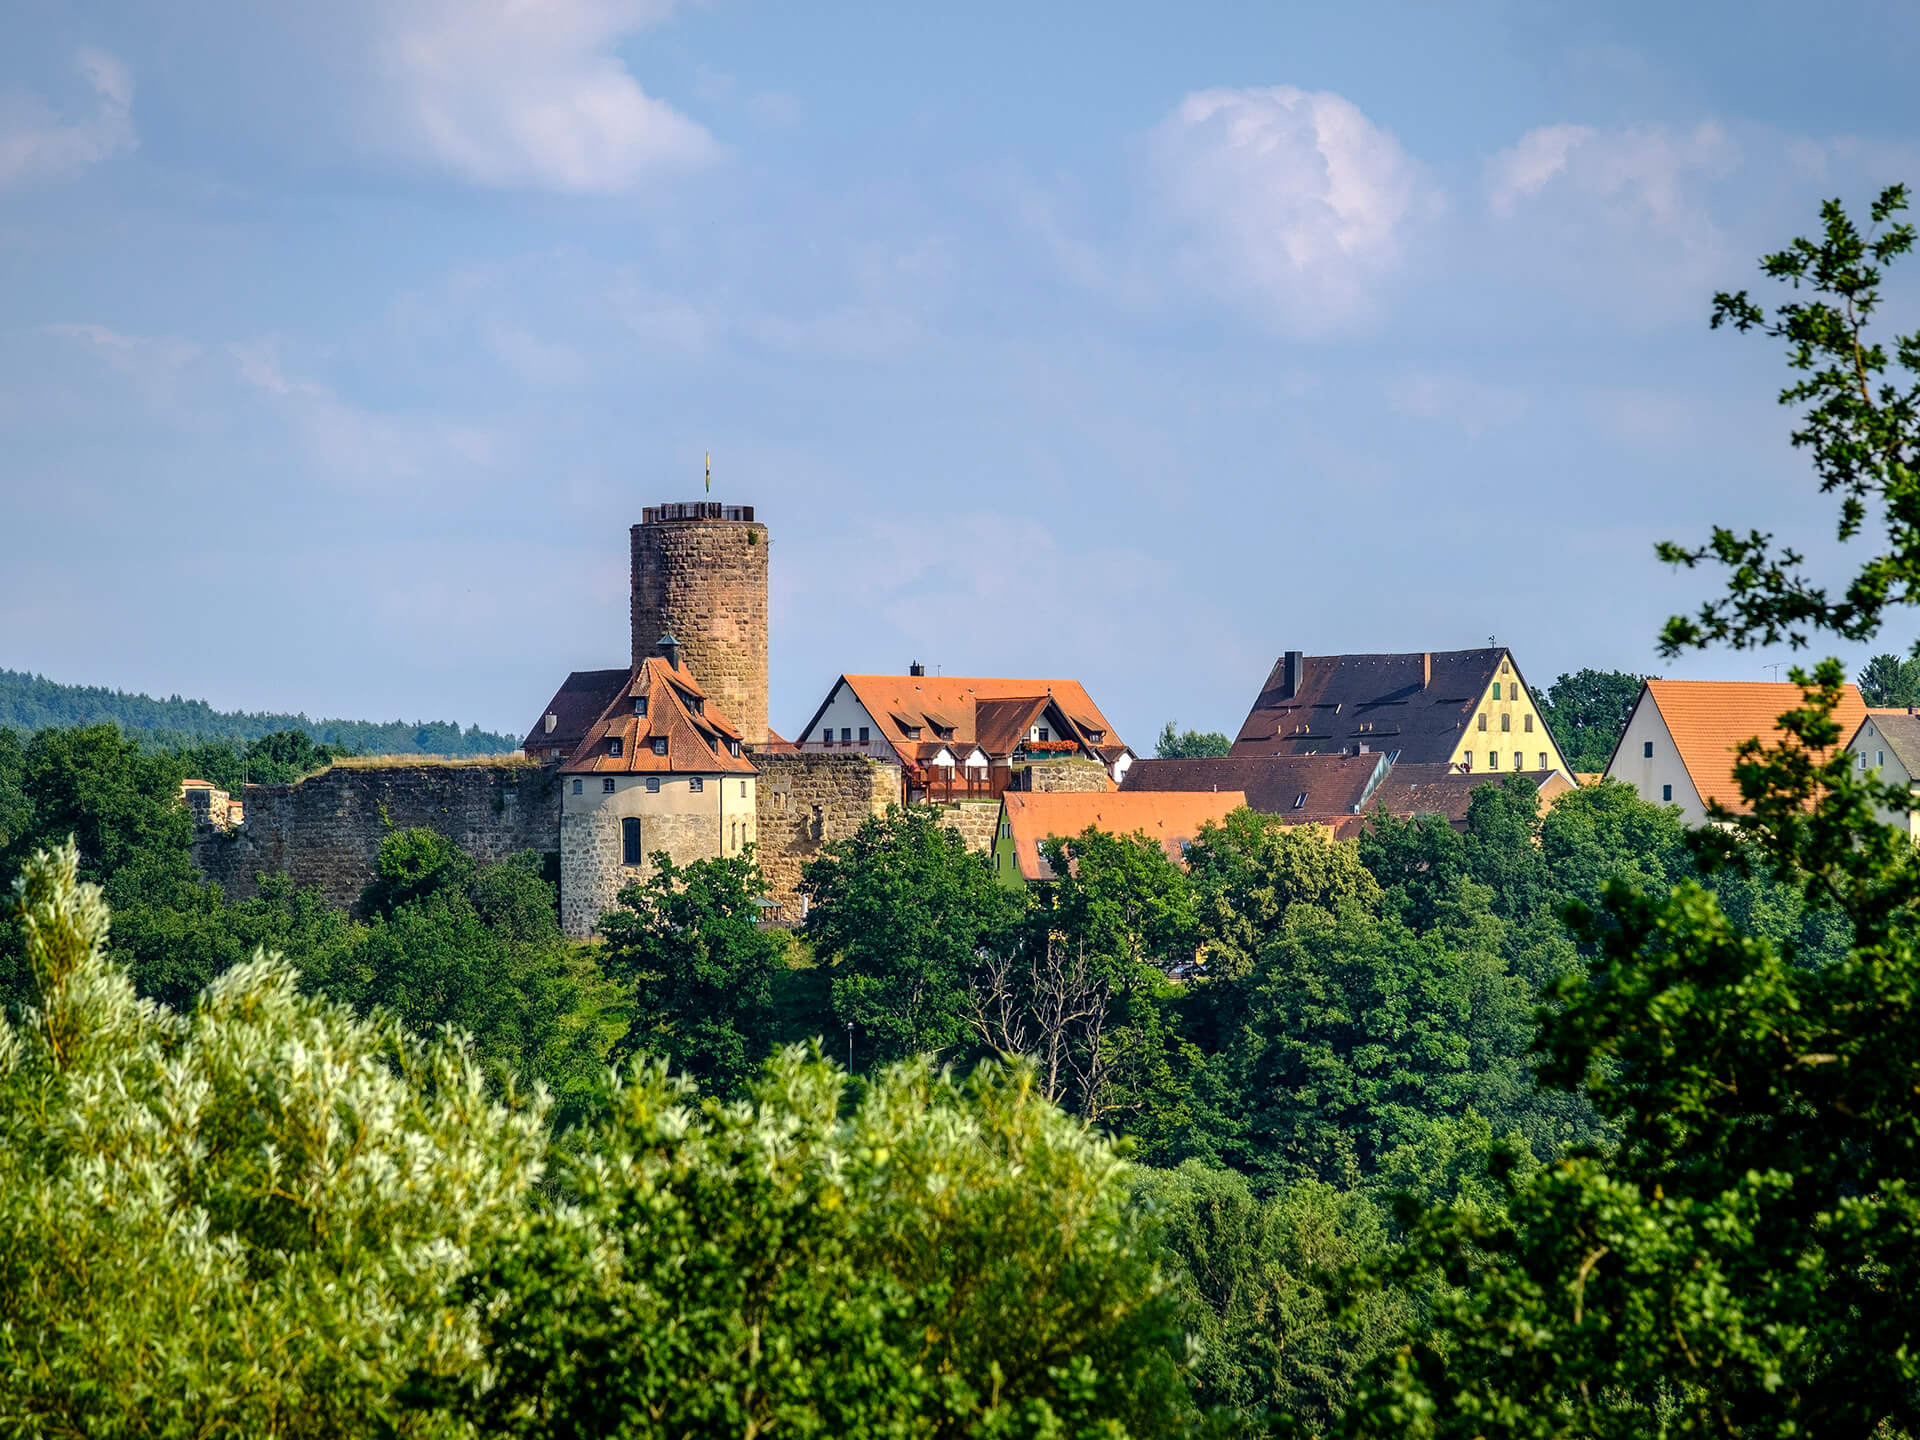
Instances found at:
x=1775 y=667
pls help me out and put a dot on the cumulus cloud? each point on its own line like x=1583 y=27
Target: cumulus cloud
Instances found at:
x=1292 y=197
x=36 y=143
x=1626 y=211
x=527 y=93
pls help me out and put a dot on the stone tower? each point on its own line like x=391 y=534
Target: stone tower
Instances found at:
x=700 y=572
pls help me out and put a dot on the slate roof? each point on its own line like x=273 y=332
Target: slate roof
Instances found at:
x=700 y=740
x=1439 y=789
x=991 y=712
x=1899 y=728
x=579 y=701
x=1303 y=788
x=1168 y=817
x=1708 y=719
x=1417 y=704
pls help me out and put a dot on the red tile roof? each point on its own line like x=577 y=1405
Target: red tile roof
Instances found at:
x=993 y=713
x=1708 y=720
x=700 y=740
x=1170 y=817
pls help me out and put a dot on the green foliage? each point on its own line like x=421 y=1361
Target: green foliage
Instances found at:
x=275 y=759
x=1861 y=425
x=1887 y=681
x=32 y=702
x=1742 y=1261
x=449 y=944
x=1264 y=1277
x=930 y=1257
x=701 y=971
x=247 y=1219
x=1587 y=711
x=902 y=909
x=1190 y=744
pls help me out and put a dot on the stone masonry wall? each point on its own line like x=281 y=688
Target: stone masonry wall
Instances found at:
x=974 y=819
x=1076 y=776
x=591 y=875
x=324 y=831
x=706 y=582
x=805 y=801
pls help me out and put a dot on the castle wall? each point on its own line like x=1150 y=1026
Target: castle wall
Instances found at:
x=974 y=819
x=807 y=801
x=325 y=831
x=1075 y=775
x=705 y=580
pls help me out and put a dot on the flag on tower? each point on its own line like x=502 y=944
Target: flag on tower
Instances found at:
x=709 y=472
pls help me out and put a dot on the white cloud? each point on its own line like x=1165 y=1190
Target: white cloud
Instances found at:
x=1454 y=399
x=37 y=144
x=1625 y=216
x=527 y=93
x=1291 y=196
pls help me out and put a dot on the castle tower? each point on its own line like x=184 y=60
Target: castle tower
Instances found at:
x=700 y=573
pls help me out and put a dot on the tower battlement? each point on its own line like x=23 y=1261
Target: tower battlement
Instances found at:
x=700 y=574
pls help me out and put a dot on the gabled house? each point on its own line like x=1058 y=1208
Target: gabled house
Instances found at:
x=1028 y=820
x=959 y=737
x=1679 y=743
x=1470 y=709
x=1888 y=743
x=656 y=769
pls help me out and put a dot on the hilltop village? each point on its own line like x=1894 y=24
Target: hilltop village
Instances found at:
x=671 y=752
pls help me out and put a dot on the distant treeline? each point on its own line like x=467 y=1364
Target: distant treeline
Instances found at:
x=33 y=702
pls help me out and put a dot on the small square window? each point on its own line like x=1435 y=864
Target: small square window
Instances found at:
x=826 y=736
x=640 y=705
x=578 y=786
x=863 y=735
x=606 y=786
x=1666 y=792
x=1543 y=759
x=1299 y=800
x=659 y=744
x=1646 y=749
x=846 y=734
x=1043 y=732
x=743 y=789
x=696 y=784
x=653 y=784
x=615 y=746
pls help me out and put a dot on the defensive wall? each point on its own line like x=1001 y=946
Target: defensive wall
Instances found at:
x=323 y=832
x=806 y=801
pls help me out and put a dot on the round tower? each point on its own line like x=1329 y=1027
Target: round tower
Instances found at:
x=700 y=573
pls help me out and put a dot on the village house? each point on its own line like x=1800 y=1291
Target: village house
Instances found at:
x=962 y=737
x=1468 y=709
x=1888 y=743
x=1029 y=819
x=1681 y=737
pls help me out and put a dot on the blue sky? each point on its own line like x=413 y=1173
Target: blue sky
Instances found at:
x=338 y=349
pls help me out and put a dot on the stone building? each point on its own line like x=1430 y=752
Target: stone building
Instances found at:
x=659 y=771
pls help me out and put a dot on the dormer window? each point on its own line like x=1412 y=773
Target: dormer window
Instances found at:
x=699 y=706
x=913 y=732
x=640 y=705
x=1097 y=736
x=615 y=746
x=733 y=748
x=943 y=732
x=659 y=744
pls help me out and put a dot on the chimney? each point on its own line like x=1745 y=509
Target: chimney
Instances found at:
x=549 y=721
x=1426 y=668
x=1290 y=679
x=670 y=650
x=916 y=668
